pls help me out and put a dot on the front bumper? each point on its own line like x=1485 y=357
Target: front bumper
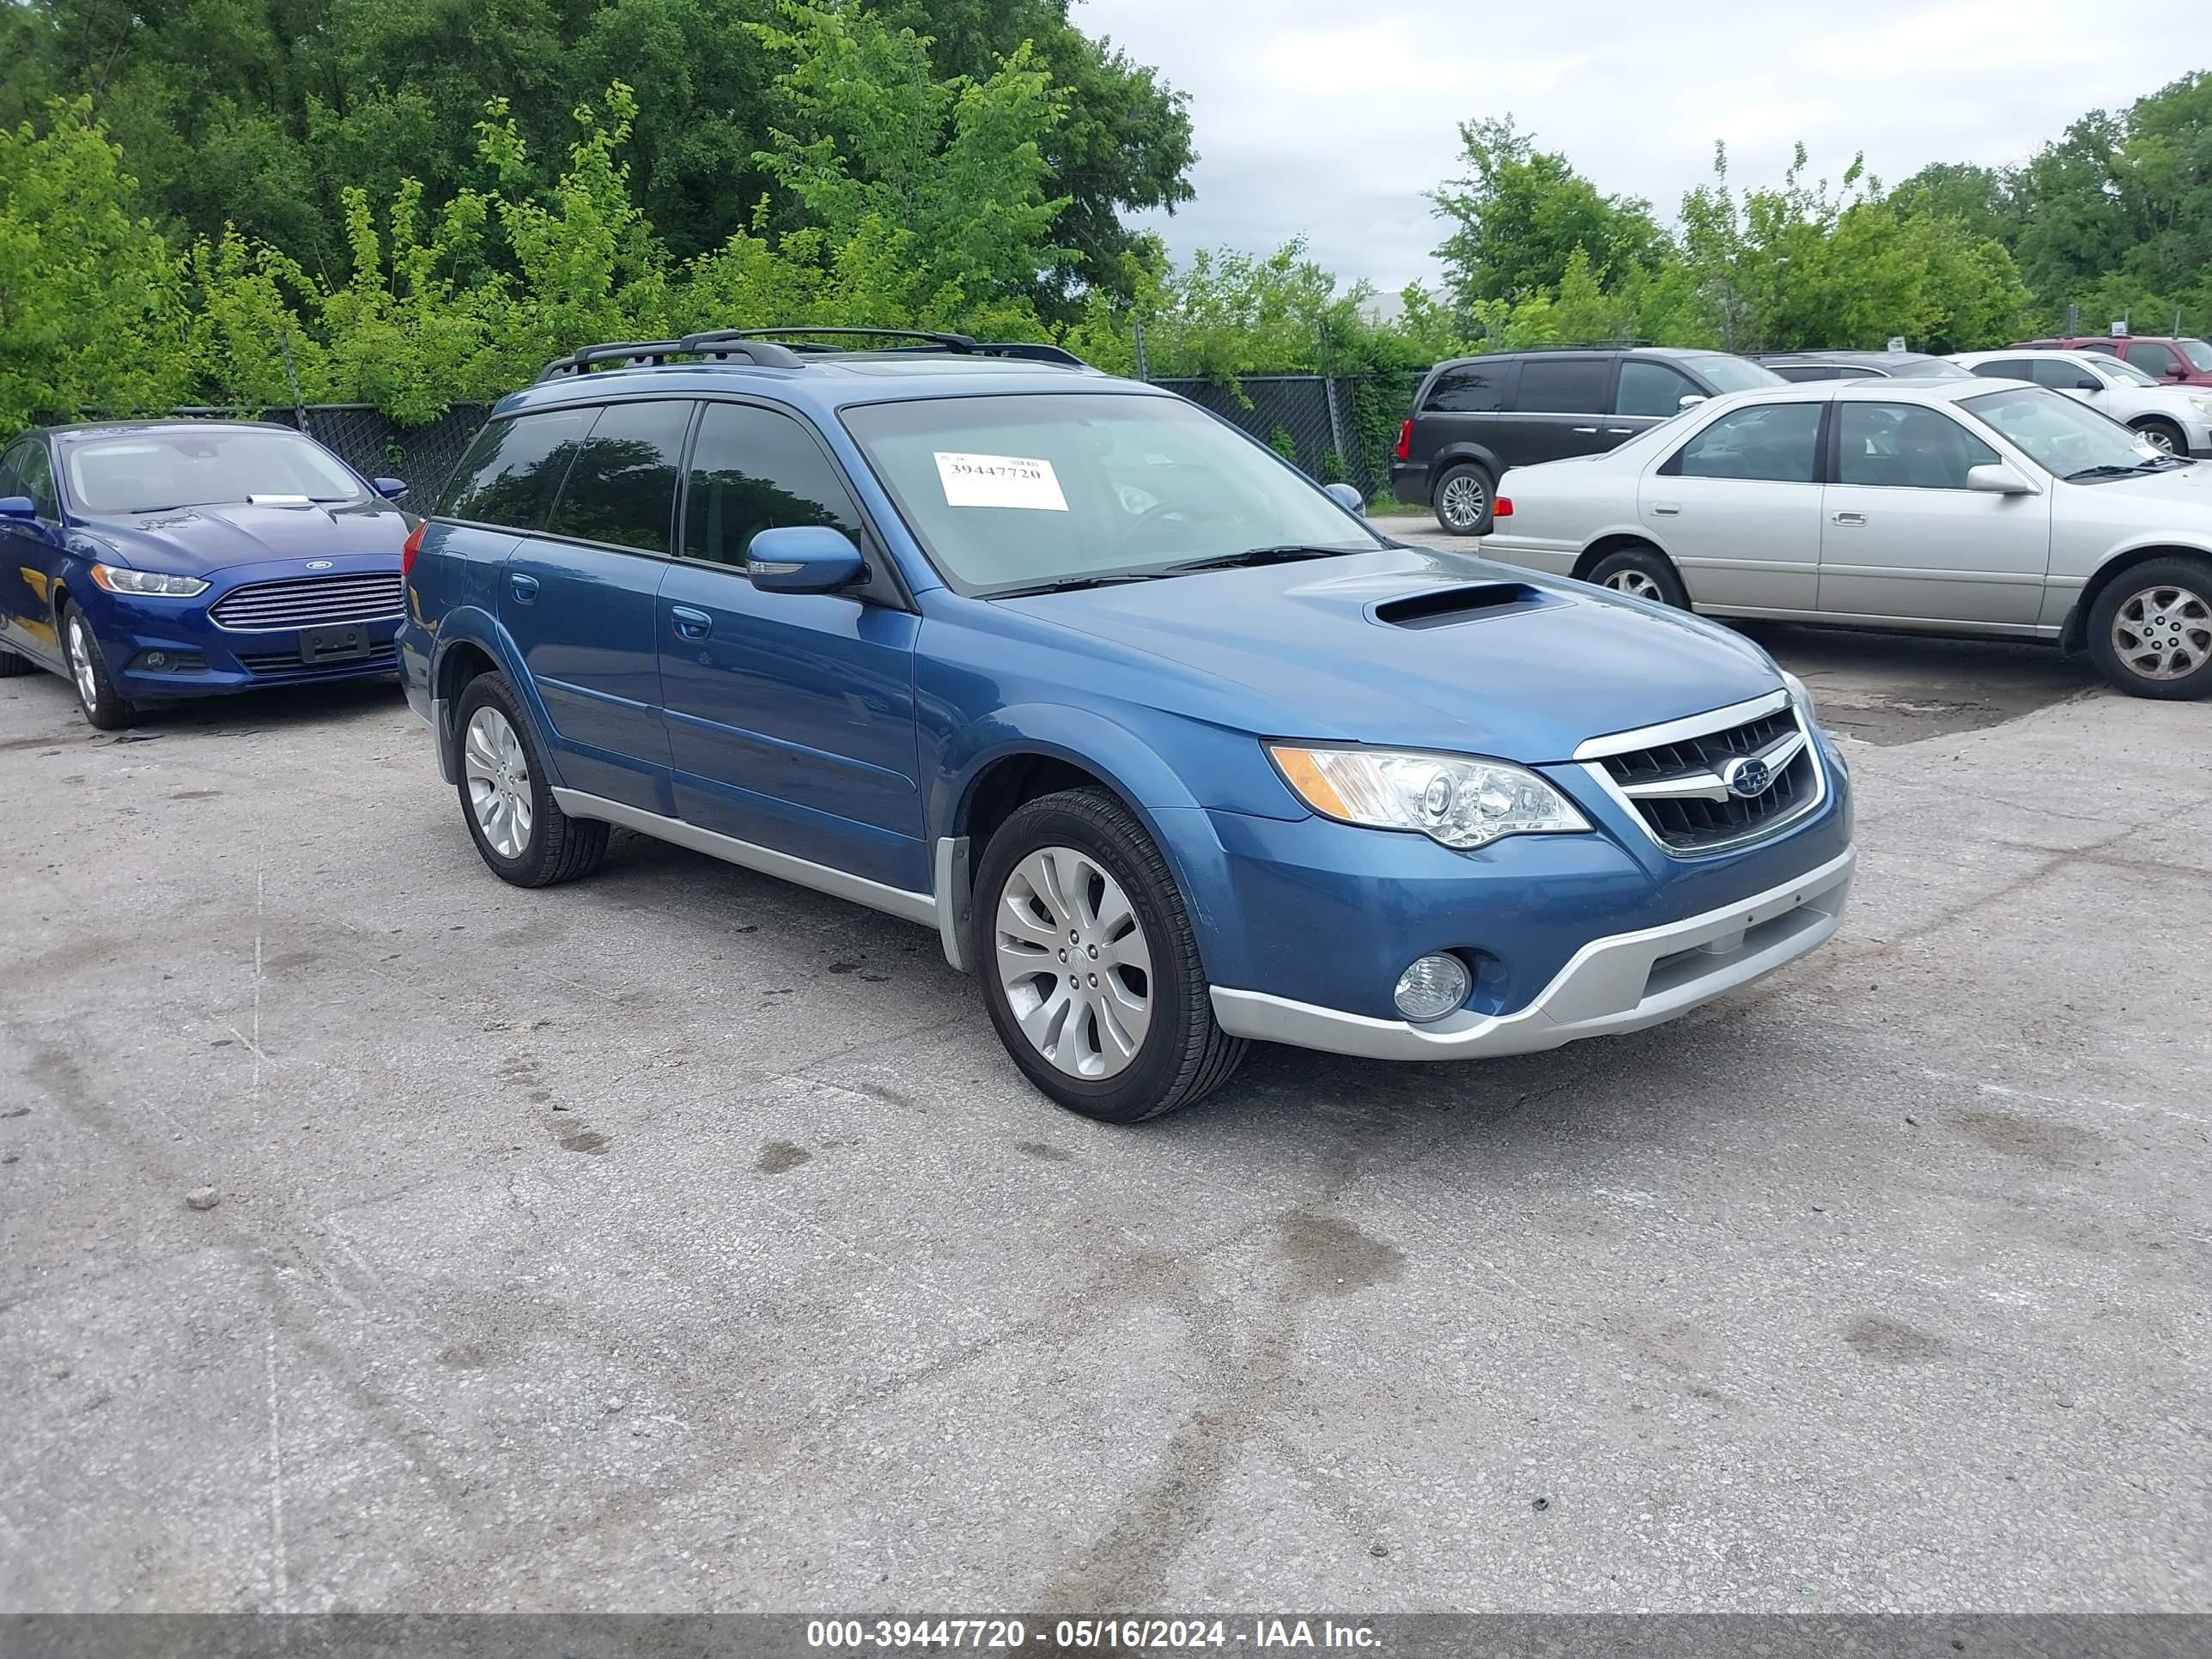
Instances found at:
x=1623 y=982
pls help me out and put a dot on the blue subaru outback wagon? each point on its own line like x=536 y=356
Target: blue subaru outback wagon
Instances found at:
x=1170 y=748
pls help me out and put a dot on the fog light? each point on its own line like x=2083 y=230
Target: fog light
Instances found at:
x=1432 y=987
x=170 y=662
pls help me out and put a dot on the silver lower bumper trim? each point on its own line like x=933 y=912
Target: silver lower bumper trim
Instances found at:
x=1620 y=984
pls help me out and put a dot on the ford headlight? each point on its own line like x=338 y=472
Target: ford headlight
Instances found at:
x=1460 y=802
x=147 y=583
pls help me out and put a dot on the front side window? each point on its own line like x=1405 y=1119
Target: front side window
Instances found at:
x=2064 y=374
x=211 y=465
x=2153 y=360
x=513 y=469
x=754 y=470
x=11 y=474
x=1649 y=388
x=1777 y=443
x=1008 y=493
x=2059 y=435
x=37 y=473
x=1563 y=386
x=620 y=488
x=1905 y=447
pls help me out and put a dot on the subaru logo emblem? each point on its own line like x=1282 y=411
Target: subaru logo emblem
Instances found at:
x=1746 y=775
x=318 y=564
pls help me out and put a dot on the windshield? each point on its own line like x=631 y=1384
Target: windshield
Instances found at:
x=199 y=466
x=1020 y=492
x=2120 y=370
x=2059 y=435
x=1734 y=373
x=2198 y=353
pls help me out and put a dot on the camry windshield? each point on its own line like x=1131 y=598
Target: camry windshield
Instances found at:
x=1009 y=493
x=2061 y=436
x=200 y=466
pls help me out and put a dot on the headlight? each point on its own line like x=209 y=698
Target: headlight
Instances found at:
x=1459 y=802
x=150 y=584
x=1801 y=694
x=2203 y=406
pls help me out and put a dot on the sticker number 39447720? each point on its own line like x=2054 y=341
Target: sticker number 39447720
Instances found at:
x=1000 y=481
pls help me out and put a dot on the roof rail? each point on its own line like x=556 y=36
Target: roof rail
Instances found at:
x=583 y=360
x=758 y=347
x=942 y=342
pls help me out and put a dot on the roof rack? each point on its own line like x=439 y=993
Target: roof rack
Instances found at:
x=758 y=346
x=583 y=362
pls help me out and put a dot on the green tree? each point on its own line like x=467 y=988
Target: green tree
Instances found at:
x=1520 y=214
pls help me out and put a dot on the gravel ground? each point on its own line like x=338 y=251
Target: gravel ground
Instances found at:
x=376 y=1236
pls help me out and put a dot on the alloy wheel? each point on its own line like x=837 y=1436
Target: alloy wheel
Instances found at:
x=498 y=773
x=2158 y=439
x=1073 y=959
x=1636 y=584
x=1462 y=502
x=2163 y=633
x=80 y=655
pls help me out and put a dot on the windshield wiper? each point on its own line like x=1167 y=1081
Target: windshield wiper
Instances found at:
x=1283 y=553
x=2107 y=470
x=1069 y=584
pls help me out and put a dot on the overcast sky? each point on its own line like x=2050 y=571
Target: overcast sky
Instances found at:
x=1332 y=117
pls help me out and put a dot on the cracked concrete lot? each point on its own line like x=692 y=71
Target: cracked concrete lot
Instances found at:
x=682 y=1240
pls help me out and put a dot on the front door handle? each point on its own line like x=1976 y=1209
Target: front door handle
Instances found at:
x=1666 y=509
x=525 y=588
x=691 y=624
x=1618 y=431
x=1589 y=431
x=1850 y=518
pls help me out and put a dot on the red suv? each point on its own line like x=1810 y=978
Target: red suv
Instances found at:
x=2184 y=361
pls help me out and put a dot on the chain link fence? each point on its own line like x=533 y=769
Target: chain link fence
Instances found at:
x=372 y=442
x=1336 y=428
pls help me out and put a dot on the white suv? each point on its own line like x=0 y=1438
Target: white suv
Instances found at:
x=1962 y=507
x=2177 y=419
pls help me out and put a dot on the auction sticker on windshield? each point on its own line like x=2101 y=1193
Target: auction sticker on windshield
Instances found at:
x=1000 y=481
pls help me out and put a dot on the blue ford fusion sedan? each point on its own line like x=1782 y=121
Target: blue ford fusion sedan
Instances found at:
x=151 y=560
x=1174 y=753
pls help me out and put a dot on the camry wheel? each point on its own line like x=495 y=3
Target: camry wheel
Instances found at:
x=518 y=829
x=2150 y=630
x=103 y=705
x=1463 y=500
x=1091 y=968
x=1641 y=572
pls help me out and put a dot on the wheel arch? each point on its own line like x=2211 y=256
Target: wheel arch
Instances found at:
x=1620 y=541
x=2074 y=632
x=470 y=645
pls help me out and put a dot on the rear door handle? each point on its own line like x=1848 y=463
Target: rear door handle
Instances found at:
x=1590 y=430
x=1666 y=508
x=691 y=624
x=524 y=587
x=1850 y=518
x=1618 y=431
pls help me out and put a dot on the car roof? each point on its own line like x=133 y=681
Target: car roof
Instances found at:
x=828 y=382
x=1861 y=390
x=1884 y=358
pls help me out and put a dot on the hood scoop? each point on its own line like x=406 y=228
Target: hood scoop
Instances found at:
x=1441 y=607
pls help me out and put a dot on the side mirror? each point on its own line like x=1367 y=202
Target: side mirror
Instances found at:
x=391 y=488
x=1994 y=478
x=2088 y=386
x=803 y=558
x=1347 y=497
x=19 y=507
x=2177 y=372
x=1688 y=400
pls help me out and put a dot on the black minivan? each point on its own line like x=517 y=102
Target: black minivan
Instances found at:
x=1475 y=417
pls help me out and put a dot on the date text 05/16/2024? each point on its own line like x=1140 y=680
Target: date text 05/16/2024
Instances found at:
x=1119 y=1634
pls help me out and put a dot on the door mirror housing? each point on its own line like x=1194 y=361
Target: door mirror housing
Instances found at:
x=1345 y=496
x=2088 y=384
x=1994 y=478
x=1688 y=400
x=803 y=558
x=21 y=508
x=391 y=488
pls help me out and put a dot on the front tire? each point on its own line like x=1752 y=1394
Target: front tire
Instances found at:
x=1463 y=500
x=1090 y=967
x=105 y=707
x=11 y=664
x=2150 y=630
x=1641 y=572
x=507 y=799
x=2164 y=436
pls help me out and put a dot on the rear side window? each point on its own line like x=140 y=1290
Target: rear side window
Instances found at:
x=2011 y=368
x=1905 y=447
x=513 y=469
x=621 y=487
x=1649 y=388
x=1775 y=443
x=1563 y=385
x=754 y=470
x=1467 y=389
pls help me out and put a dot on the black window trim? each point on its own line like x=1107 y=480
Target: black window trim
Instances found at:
x=1822 y=469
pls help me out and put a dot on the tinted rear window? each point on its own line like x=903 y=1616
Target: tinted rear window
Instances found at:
x=1466 y=389
x=1567 y=385
x=509 y=475
x=622 y=488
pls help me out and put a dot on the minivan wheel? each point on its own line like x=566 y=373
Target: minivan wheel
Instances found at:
x=2163 y=436
x=2150 y=630
x=1642 y=572
x=506 y=800
x=1463 y=497
x=1090 y=968
x=104 y=705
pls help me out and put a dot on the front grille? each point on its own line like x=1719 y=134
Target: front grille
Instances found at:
x=1690 y=822
x=311 y=602
x=386 y=655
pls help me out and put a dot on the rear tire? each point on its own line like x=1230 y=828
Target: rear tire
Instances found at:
x=507 y=801
x=2150 y=630
x=2165 y=434
x=1641 y=572
x=1078 y=921
x=1463 y=499
x=11 y=664
x=105 y=707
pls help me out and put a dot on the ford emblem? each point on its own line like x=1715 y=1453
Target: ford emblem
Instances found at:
x=318 y=564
